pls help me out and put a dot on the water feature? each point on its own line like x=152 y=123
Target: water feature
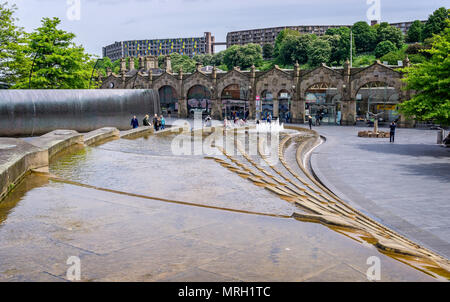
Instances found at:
x=133 y=211
x=35 y=112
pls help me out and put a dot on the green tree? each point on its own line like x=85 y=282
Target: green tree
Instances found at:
x=267 y=51
x=303 y=46
x=383 y=48
x=431 y=81
x=365 y=37
x=386 y=32
x=280 y=37
x=319 y=52
x=14 y=61
x=59 y=63
x=243 y=56
x=183 y=61
x=436 y=22
x=415 y=32
x=287 y=51
x=340 y=44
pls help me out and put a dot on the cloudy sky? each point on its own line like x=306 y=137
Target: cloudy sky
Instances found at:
x=101 y=22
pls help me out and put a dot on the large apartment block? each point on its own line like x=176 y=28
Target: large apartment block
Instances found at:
x=156 y=47
x=267 y=35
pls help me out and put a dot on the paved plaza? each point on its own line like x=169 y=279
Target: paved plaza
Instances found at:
x=404 y=185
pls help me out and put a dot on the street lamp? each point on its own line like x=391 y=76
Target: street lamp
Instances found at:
x=32 y=66
x=92 y=74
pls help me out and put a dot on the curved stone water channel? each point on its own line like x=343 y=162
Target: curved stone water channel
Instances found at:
x=132 y=210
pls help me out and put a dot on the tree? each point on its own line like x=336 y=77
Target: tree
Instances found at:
x=243 y=56
x=383 y=48
x=288 y=47
x=340 y=44
x=267 y=51
x=365 y=37
x=431 y=81
x=436 y=22
x=386 y=32
x=59 y=63
x=183 y=61
x=319 y=52
x=280 y=37
x=415 y=32
x=14 y=62
x=303 y=46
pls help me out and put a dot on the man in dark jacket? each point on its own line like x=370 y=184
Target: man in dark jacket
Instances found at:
x=134 y=122
x=310 y=121
x=392 y=126
x=156 y=122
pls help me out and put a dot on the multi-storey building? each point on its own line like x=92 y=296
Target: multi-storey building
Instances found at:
x=268 y=35
x=156 y=47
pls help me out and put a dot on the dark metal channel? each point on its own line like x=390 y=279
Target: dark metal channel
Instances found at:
x=35 y=112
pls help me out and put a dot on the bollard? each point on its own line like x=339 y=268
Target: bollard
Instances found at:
x=440 y=136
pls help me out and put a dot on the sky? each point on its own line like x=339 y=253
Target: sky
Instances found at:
x=98 y=23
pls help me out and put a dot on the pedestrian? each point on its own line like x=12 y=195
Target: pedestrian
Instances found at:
x=155 y=122
x=269 y=118
x=146 y=121
x=310 y=122
x=163 y=122
x=392 y=126
x=134 y=122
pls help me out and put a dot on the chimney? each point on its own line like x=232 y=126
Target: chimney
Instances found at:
x=131 y=62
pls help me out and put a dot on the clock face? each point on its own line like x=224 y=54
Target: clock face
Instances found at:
x=111 y=85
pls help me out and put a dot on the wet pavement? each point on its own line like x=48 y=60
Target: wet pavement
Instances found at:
x=404 y=185
x=149 y=215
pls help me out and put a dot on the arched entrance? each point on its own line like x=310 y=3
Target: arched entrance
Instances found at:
x=322 y=102
x=198 y=100
x=234 y=99
x=377 y=98
x=168 y=100
x=267 y=104
x=284 y=105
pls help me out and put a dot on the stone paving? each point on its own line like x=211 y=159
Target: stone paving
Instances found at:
x=404 y=185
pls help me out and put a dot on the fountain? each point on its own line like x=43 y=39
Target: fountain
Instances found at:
x=273 y=126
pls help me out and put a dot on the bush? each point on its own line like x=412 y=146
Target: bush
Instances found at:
x=383 y=48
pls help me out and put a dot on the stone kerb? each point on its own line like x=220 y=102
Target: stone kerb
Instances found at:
x=57 y=141
x=136 y=132
x=17 y=157
x=101 y=134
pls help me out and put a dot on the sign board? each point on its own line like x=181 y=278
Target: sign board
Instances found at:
x=400 y=63
x=386 y=107
x=258 y=102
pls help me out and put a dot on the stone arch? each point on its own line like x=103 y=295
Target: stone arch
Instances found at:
x=232 y=78
x=199 y=97
x=376 y=73
x=319 y=75
x=168 y=99
x=166 y=79
x=274 y=80
x=197 y=78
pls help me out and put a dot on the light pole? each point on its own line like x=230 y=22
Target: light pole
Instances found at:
x=32 y=66
x=92 y=74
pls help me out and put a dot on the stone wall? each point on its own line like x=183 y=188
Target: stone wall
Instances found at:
x=295 y=82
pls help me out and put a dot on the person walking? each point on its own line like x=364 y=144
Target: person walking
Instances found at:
x=163 y=122
x=310 y=122
x=134 y=122
x=392 y=127
x=155 y=122
x=146 y=121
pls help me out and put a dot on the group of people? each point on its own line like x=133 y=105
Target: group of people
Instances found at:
x=158 y=122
